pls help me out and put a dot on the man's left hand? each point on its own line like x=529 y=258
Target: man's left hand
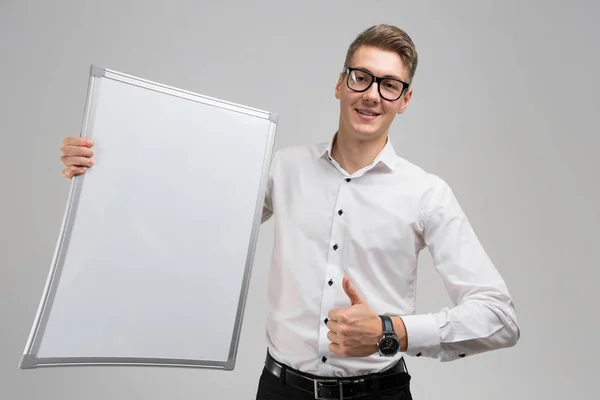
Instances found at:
x=354 y=331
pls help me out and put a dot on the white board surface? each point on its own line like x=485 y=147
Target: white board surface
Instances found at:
x=154 y=256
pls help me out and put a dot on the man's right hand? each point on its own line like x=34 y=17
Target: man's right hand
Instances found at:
x=76 y=156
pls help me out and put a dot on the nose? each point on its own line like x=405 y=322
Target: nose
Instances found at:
x=373 y=93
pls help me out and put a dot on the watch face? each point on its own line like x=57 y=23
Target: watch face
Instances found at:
x=389 y=345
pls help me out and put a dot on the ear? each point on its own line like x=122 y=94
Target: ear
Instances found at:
x=339 y=85
x=405 y=100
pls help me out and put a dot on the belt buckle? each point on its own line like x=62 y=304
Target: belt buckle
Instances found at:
x=332 y=383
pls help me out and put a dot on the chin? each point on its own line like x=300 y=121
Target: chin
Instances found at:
x=368 y=132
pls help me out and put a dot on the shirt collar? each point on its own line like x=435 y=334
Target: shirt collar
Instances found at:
x=387 y=156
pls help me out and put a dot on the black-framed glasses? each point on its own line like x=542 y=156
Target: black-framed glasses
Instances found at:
x=360 y=80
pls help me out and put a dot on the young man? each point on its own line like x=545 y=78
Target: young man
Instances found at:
x=350 y=218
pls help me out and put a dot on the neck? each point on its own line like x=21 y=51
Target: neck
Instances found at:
x=353 y=155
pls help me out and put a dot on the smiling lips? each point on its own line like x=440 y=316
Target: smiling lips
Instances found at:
x=366 y=115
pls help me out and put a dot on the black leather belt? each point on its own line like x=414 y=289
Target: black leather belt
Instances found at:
x=340 y=388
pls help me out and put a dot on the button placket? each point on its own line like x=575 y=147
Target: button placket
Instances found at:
x=333 y=272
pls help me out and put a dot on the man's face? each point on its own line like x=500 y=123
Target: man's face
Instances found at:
x=357 y=125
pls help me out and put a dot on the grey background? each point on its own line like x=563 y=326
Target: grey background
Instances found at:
x=503 y=109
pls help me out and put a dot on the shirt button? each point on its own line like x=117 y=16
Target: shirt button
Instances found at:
x=324 y=359
x=340 y=212
x=326 y=320
x=348 y=179
x=419 y=354
x=330 y=282
x=335 y=246
x=462 y=355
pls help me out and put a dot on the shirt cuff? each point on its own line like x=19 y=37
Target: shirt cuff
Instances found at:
x=423 y=335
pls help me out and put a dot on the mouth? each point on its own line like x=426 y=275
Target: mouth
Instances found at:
x=367 y=115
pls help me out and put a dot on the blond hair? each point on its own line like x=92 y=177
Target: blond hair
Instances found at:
x=389 y=38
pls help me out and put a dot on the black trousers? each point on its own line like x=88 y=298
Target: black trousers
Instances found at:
x=270 y=388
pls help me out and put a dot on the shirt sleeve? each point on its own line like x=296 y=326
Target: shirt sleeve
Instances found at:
x=483 y=315
x=268 y=208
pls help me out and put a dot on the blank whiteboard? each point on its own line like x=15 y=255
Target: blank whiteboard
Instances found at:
x=154 y=255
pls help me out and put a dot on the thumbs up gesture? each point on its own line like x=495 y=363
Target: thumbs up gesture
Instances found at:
x=354 y=331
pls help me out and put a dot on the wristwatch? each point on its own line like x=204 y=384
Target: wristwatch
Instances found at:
x=389 y=344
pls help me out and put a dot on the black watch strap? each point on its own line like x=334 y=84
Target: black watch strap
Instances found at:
x=388 y=325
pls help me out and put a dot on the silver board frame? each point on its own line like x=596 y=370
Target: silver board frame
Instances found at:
x=30 y=358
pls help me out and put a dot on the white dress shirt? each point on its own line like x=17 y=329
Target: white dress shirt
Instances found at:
x=371 y=225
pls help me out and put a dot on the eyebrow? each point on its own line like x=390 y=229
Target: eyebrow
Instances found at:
x=385 y=76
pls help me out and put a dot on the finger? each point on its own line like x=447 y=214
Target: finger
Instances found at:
x=333 y=338
x=82 y=151
x=77 y=161
x=72 y=171
x=336 y=349
x=335 y=314
x=337 y=339
x=351 y=291
x=78 y=141
x=335 y=327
